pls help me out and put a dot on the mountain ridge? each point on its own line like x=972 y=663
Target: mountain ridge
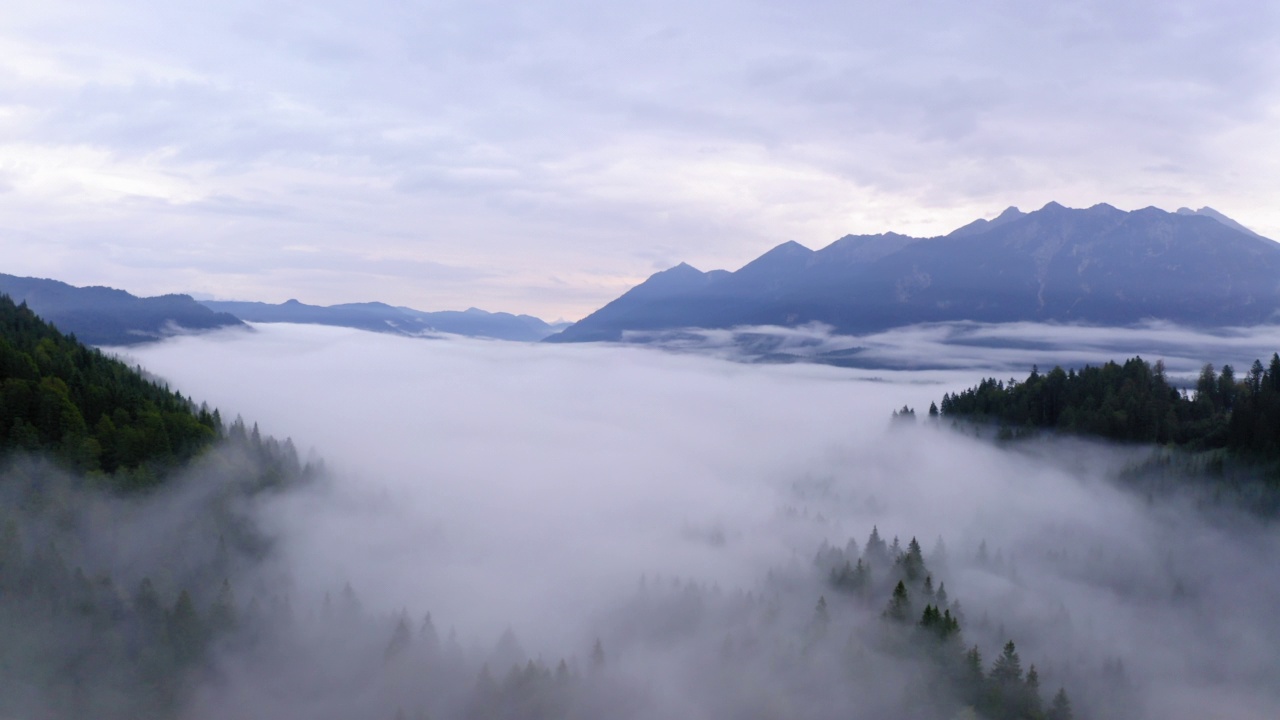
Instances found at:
x=381 y=317
x=99 y=315
x=1097 y=265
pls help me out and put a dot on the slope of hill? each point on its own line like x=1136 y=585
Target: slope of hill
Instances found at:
x=1098 y=265
x=106 y=316
x=380 y=317
x=91 y=412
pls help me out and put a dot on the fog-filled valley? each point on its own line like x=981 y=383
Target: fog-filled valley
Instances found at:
x=639 y=361
x=496 y=529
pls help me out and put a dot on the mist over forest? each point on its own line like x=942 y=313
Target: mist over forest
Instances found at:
x=822 y=361
x=511 y=530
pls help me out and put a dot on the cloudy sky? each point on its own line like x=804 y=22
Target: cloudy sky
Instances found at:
x=542 y=157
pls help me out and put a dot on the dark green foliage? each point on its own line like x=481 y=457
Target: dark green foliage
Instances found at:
x=1008 y=667
x=76 y=429
x=953 y=677
x=1134 y=402
x=899 y=609
x=941 y=624
x=92 y=413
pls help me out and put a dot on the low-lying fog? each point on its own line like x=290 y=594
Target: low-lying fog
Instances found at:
x=997 y=348
x=542 y=489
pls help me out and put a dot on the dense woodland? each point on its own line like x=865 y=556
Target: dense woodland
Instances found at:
x=1135 y=402
x=121 y=524
x=93 y=413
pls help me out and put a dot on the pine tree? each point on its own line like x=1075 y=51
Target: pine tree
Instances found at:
x=912 y=560
x=972 y=677
x=401 y=637
x=1007 y=669
x=820 y=622
x=875 y=551
x=1031 y=702
x=899 y=609
x=1061 y=707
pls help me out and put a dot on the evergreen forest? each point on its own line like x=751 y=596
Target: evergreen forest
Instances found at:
x=1136 y=402
x=122 y=522
x=90 y=412
x=1222 y=436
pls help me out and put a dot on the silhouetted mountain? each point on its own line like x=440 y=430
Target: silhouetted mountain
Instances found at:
x=380 y=317
x=106 y=316
x=1098 y=265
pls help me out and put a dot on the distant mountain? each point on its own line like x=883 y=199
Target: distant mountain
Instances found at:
x=380 y=317
x=106 y=316
x=1098 y=265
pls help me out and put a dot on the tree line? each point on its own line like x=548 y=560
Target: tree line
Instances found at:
x=1136 y=402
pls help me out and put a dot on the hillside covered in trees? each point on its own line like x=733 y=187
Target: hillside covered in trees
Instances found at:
x=1135 y=402
x=110 y=597
x=93 y=413
x=1223 y=437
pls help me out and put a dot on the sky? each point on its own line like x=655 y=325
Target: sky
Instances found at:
x=543 y=158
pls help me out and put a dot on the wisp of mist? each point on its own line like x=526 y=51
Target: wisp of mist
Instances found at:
x=527 y=491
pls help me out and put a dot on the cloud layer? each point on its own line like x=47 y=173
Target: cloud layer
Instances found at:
x=505 y=486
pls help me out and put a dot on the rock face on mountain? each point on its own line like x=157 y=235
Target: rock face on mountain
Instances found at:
x=106 y=316
x=380 y=317
x=1098 y=265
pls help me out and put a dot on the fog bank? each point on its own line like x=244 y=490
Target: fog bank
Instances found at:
x=980 y=347
x=536 y=489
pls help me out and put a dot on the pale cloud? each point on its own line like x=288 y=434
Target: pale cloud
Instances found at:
x=530 y=487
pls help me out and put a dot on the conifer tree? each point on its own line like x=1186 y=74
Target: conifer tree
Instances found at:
x=1031 y=701
x=1061 y=707
x=899 y=609
x=1007 y=669
x=821 y=620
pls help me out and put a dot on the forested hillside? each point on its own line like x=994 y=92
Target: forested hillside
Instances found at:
x=1136 y=402
x=112 y=598
x=91 y=412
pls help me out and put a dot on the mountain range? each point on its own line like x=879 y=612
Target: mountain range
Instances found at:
x=380 y=317
x=106 y=316
x=1098 y=265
